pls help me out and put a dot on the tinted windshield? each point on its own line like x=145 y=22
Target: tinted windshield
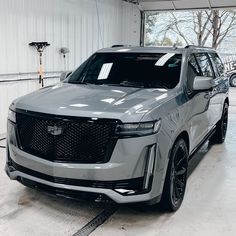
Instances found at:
x=130 y=69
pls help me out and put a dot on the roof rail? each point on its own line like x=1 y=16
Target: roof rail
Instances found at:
x=117 y=46
x=188 y=46
x=195 y=46
x=120 y=46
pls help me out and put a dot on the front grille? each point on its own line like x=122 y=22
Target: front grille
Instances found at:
x=79 y=140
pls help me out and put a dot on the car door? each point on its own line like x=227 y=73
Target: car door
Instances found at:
x=218 y=92
x=198 y=65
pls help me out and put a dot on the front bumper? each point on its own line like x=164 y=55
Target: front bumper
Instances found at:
x=78 y=192
x=128 y=168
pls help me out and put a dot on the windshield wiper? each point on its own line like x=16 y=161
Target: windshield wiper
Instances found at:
x=128 y=84
x=132 y=84
x=160 y=84
x=79 y=82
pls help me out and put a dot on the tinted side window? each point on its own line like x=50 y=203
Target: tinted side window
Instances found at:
x=193 y=64
x=193 y=71
x=218 y=63
x=204 y=64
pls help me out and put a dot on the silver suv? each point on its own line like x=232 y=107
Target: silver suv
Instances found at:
x=123 y=126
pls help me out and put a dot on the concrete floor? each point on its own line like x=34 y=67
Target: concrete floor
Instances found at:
x=209 y=206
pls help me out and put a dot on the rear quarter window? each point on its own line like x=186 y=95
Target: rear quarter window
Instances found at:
x=219 y=66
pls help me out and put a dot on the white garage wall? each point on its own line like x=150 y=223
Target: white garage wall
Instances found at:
x=11 y=90
x=63 y=23
x=68 y=23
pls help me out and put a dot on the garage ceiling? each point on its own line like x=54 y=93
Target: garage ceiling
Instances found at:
x=167 y=5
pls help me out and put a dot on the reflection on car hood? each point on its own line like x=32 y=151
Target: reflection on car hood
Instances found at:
x=124 y=103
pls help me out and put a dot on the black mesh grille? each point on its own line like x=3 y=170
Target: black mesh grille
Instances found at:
x=79 y=141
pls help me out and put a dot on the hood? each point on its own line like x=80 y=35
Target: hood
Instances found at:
x=127 y=104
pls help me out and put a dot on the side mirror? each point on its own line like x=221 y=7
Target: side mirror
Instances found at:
x=203 y=83
x=65 y=75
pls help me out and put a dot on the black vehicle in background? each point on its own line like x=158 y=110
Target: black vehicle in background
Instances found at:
x=232 y=78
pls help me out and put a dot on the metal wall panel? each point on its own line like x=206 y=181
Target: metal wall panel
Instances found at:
x=70 y=23
x=11 y=90
x=63 y=23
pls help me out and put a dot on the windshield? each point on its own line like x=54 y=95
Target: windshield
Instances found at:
x=160 y=70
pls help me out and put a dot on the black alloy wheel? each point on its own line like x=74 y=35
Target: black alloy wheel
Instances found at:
x=221 y=127
x=176 y=177
x=224 y=122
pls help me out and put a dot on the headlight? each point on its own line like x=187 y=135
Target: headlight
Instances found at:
x=12 y=116
x=138 y=129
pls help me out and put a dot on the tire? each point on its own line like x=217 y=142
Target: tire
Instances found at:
x=176 y=178
x=221 y=128
x=232 y=80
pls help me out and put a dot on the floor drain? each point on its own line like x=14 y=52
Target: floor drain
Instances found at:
x=97 y=221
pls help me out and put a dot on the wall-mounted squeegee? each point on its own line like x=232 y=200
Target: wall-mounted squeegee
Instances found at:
x=40 y=46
